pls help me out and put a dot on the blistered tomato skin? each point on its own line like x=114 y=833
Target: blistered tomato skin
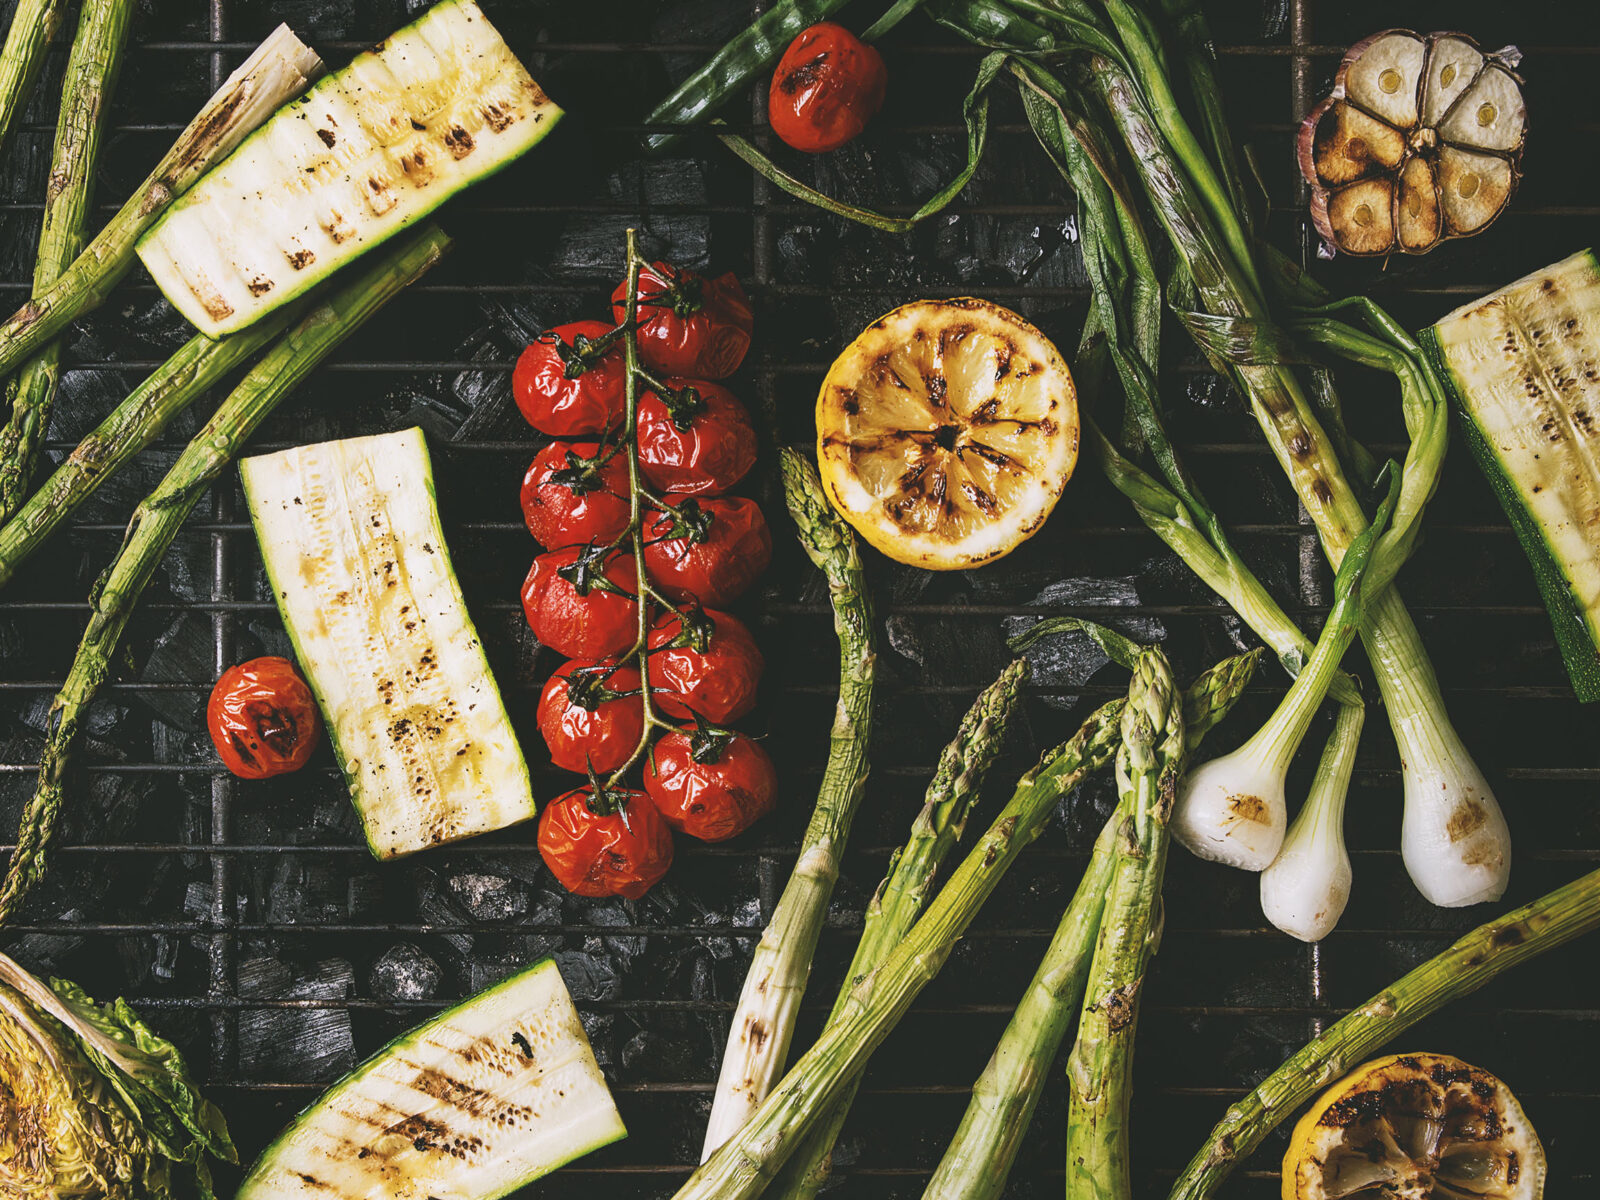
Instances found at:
x=263 y=718
x=688 y=324
x=567 y=393
x=591 y=716
x=593 y=851
x=828 y=85
x=709 y=550
x=580 y=606
x=713 y=670
x=569 y=498
x=700 y=443
x=710 y=787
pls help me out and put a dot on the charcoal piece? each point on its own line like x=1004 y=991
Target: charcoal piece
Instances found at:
x=589 y=976
x=311 y=1044
x=490 y=897
x=404 y=972
x=184 y=653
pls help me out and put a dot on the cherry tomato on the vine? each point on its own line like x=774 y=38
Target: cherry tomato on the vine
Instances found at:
x=688 y=324
x=712 y=784
x=582 y=601
x=828 y=85
x=708 y=550
x=605 y=842
x=591 y=716
x=706 y=662
x=263 y=718
x=565 y=387
x=696 y=439
x=570 y=497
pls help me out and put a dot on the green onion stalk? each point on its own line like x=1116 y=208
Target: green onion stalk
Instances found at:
x=805 y=1096
x=160 y=515
x=769 y=1002
x=34 y=25
x=905 y=889
x=91 y=76
x=277 y=71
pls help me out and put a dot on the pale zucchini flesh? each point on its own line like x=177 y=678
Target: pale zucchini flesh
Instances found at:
x=350 y=535
x=476 y=1103
x=1523 y=367
x=367 y=151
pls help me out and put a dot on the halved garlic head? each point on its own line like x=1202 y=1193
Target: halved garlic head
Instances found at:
x=1418 y=142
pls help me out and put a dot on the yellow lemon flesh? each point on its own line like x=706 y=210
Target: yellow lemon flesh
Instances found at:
x=1415 y=1126
x=946 y=431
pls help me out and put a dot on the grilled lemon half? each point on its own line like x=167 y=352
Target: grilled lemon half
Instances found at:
x=1415 y=1126
x=946 y=431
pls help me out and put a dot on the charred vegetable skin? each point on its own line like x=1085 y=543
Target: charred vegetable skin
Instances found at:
x=1420 y=141
x=263 y=718
x=827 y=86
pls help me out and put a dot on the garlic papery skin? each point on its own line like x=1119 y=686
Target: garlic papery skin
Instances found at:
x=1305 y=890
x=1232 y=810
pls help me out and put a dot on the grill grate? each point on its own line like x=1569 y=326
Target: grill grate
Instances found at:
x=250 y=919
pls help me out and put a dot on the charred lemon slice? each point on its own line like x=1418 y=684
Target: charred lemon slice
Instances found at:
x=946 y=431
x=1413 y=1126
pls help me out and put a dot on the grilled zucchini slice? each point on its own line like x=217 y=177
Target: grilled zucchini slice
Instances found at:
x=350 y=535
x=476 y=1103
x=366 y=152
x=1523 y=368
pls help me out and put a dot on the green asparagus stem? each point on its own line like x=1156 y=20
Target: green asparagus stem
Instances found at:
x=161 y=514
x=1489 y=950
x=900 y=897
x=85 y=98
x=763 y=1020
x=979 y=1158
x=129 y=428
x=33 y=28
x=279 y=69
x=1099 y=1071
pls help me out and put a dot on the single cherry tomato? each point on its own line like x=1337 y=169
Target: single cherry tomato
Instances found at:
x=688 y=324
x=591 y=716
x=605 y=842
x=706 y=662
x=565 y=385
x=263 y=718
x=708 y=550
x=828 y=85
x=569 y=496
x=581 y=601
x=696 y=439
x=712 y=784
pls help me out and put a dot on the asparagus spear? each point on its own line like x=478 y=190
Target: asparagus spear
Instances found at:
x=905 y=889
x=86 y=95
x=1492 y=948
x=128 y=429
x=161 y=514
x=763 y=1020
x=279 y=69
x=33 y=28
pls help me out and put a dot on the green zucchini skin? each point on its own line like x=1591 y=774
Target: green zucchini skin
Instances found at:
x=483 y=1099
x=366 y=152
x=354 y=550
x=1557 y=561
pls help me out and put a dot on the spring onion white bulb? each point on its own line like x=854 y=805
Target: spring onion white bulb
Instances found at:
x=1305 y=889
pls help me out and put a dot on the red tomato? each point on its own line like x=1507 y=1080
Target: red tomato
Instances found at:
x=563 y=387
x=569 y=497
x=697 y=439
x=688 y=324
x=581 y=602
x=709 y=783
x=707 y=662
x=610 y=843
x=263 y=718
x=828 y=85
x=591 y=716
x=707 y=550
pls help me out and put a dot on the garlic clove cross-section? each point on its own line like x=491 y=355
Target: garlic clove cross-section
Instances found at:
x=1419 y=142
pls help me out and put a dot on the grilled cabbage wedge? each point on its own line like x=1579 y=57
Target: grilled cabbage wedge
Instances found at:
x=1523 y=368
x=349 y=531
x=483 y=1099
x=366 y=152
